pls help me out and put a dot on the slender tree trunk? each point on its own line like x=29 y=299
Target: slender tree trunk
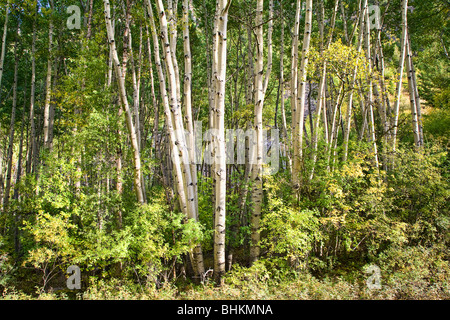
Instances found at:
x=403 y=45
x=385 y=106
x=249 y=141
x=412 y=97
x=32 y=140
x=19 y=159
x=48 y=85
x=352 y=85
x=2 y=54
x=123 y=95
x=371 y=123
x=172 y=120
x=300 y=114
x=136 y=80
x=344 y=21
x=17 y=216
x=257 y=173
x=269 y=47
x=188 y=101
x=284 y=150
x=220 y=157
x=322 y=87
x=294 y=91
x=414 y=93
x=11 y=130
x=155 y=139
x=334 y=124
x=193 y=183
x=251 y=67
x=136 y=90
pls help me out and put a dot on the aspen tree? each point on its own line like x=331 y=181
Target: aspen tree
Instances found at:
x=136 y=80
x=19 y=158
x=187 y=90
x=48 y=84
x=250 y=141
x=18 y=216
x=282 y=100
x=32 y=152
x=175 y=105
x=322 y=84
x=300 y=114
x=412 y=97
x=220 y=60
x=344 y=20
x=173 y=121
x=385 y=105
x=412 y=81
x=269 y=47
x=152 y=93
x=334 y=125
x=294 y=87
x=123 y=95
x=257 y=169
x=370 y=102
x=353 y=82
x=11 y=128
x=2 y=54
x=398 y=91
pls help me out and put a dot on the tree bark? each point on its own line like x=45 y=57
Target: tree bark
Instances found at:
x=352 y=85
x=285 y=149
x=370 y=102
x=414 y=93
x=11 y=130
x=412 y=97
x=257 y=172
x=300 y=114
x=123 y=95
x=219 y=125
x=173 y=122
x=294 y=89
x=403 y=45
x=32 y=152
x=322 y=84
x=48 y=85
x=2 y=54
x=188 y=101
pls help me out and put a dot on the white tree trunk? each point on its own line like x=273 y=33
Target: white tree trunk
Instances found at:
x=352 y=84
x=220 y=155
x=412 y=97
x=188 y=102
x=322 y=88
x=48 y=85
x=257 y=172
x=300 y=114
x=371 y=124
x=123 y=96
x=294 y=86
x=32 y=140
x=2 y=54
x=175 y=129
x=403 y=44
x=11 y=132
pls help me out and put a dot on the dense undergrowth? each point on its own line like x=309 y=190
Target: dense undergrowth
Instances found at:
x=349 y=219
